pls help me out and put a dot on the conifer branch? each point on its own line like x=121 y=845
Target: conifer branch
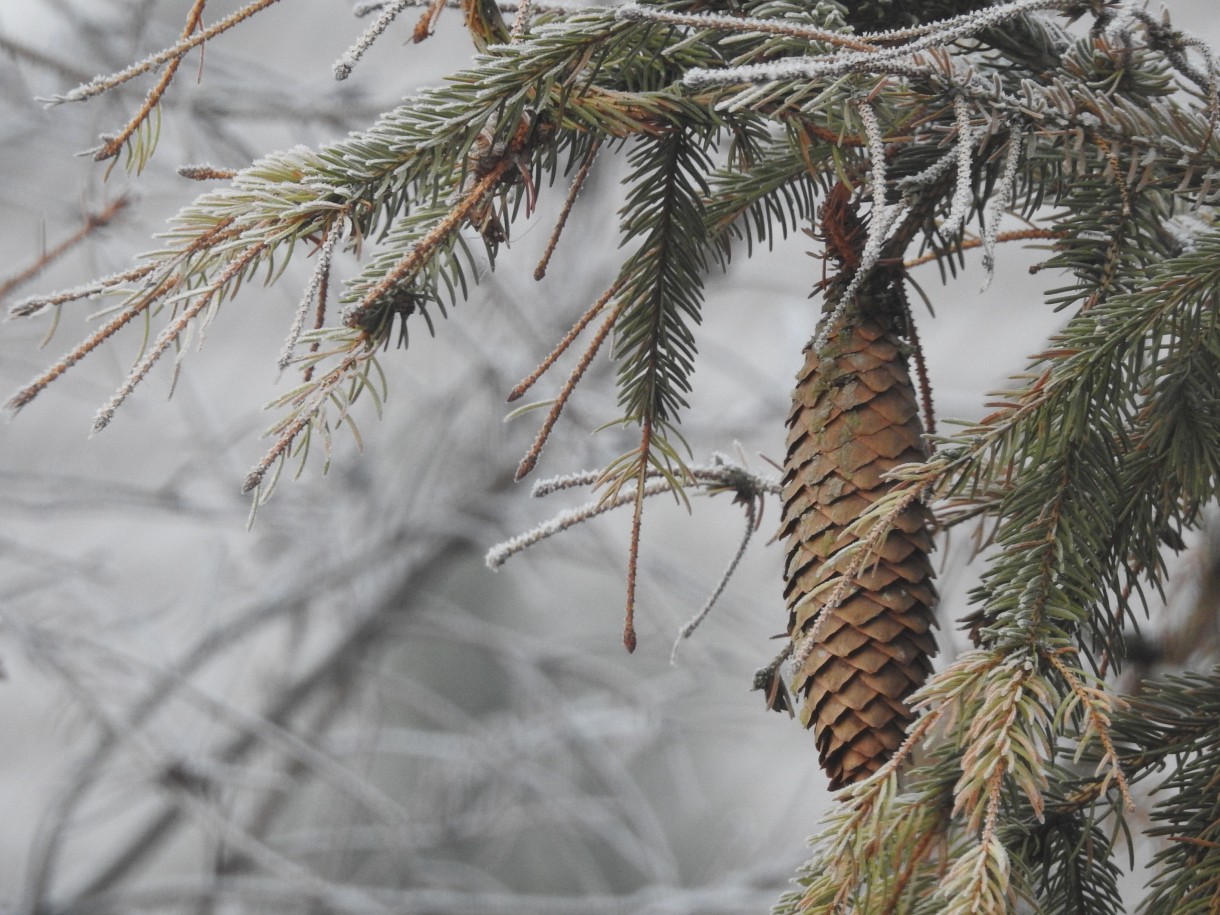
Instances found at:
x=310 y=402
x=502 y=552
x=34 y=305
x=171 y=280
x=634 y=12
x=315 y=293
x=1098 y=705
x=423 y=250
x=720 y=476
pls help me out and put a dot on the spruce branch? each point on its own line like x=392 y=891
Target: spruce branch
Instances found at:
x=171 y=272
x=872 y=59
x=309 y=405
x=1098 y=706
x=713 y=21
x=720 y=476
x=883 y=218
x=441 y=233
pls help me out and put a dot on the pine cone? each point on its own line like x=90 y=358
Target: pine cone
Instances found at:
x=854 y=417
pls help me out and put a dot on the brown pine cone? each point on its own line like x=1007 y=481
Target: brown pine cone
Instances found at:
x=854 y=417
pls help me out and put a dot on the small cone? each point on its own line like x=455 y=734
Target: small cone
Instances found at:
x=854 y=417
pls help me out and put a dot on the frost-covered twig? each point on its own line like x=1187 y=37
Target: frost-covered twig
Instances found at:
x=873 y=60
x=314 y=291
x=1000 y=198
x=694 y=622
x=722 y=475
x=175 y=51
x=110 y=148
x=634 y=12
x=963 y=149
x=202 y=300
x=884 y=216
x=502 y=552
x=578 y=183
x=389 y=12
x=530 y=461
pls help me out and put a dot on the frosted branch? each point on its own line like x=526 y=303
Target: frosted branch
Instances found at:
x=389 y=12
x=686 y=631
x=103 y=83
x=1000 y=199
x=317 y=280
x=869 y=61
x=502 y=552
x=883 y=218
x=963 y=150
x=634 y=13
x=722 y=475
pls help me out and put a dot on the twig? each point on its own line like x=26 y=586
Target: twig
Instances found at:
x=633 y=12
x=93 y=222
x=321 y=393
x=693 y=623
x=531 y=379
x=316 y=288
x=105 y=83
x=884 y=216
x=502 y=552
x=115 y=143
x=389 y=12
x=423 y=28
x=410 y=262
x=521 y=20
x=530 y=461
x=969 y=243
x=171 y=333
x=637 y=517
x=923 y=382
x=578 y=182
